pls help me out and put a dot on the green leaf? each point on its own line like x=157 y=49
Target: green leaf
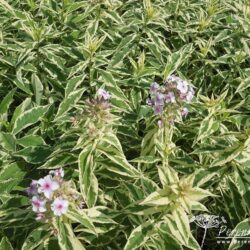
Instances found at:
x=169 y=239
x=122 y=50
x=119 y=160
x=10 y=176
x=60 y=159
x=243 y=182
x=5 y=103
x=208 y=126
x=197 y=194
x=245 y=83
x=242 y=229
x=227 y=155
x=237 y=199
x=19 y=110
x=37 y=88
x=139 y=235
x=156 y=199
x=118 y=97
x=28 y=118
x=176 y=59
x=146 y=159
x=5 y=244
x=81 y=217
x=35 y=155
x=243 y=158
x=36 y=238
x=66 y=237
x=73 y=84
x=88 y=181
x=178 y=226
x=7 y=141
x=69 y=102
x=31 y=141
x=6 y=5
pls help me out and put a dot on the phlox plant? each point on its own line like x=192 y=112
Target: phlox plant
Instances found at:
x=124 y=125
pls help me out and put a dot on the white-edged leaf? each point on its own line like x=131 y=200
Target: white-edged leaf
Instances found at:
x=66 y=237
x=139 y=235
x=28 y=118
x=81 y=217
x=88 y=181
x=69 y=102
x=36 y=238
x=37 y=88
x=5 y=244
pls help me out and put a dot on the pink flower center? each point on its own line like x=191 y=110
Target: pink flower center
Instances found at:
x=59 y=206
x=47 y=186
x=37 y=203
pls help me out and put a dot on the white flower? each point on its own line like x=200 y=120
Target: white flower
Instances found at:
x=103 y=93
x=170 y=97
x=38 y=205
x=59 y=206
x=182 y=86
x=47 y=186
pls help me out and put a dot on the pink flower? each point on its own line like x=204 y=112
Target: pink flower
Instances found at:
x=32 y=189
x=184 y=112
x=149 y=102
x=59 y=172
x=170 y=97
x=38 y=205
x=182 y=86
x=102 y=93
x=153 y=87
x=172 y=78
x=158 y=109
x=60 y=206
x=189 y=96
x=40 y=216
x=159 y=99
x=47 y=186
x=160 y=123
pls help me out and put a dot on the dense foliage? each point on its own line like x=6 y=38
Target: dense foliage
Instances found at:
x=139 y=180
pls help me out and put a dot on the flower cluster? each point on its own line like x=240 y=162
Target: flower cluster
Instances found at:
x=51 y=195
x=102 y=100
x=97 y=108
x=172 y=96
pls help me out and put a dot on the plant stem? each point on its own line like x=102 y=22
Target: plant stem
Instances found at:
x=204 y=236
